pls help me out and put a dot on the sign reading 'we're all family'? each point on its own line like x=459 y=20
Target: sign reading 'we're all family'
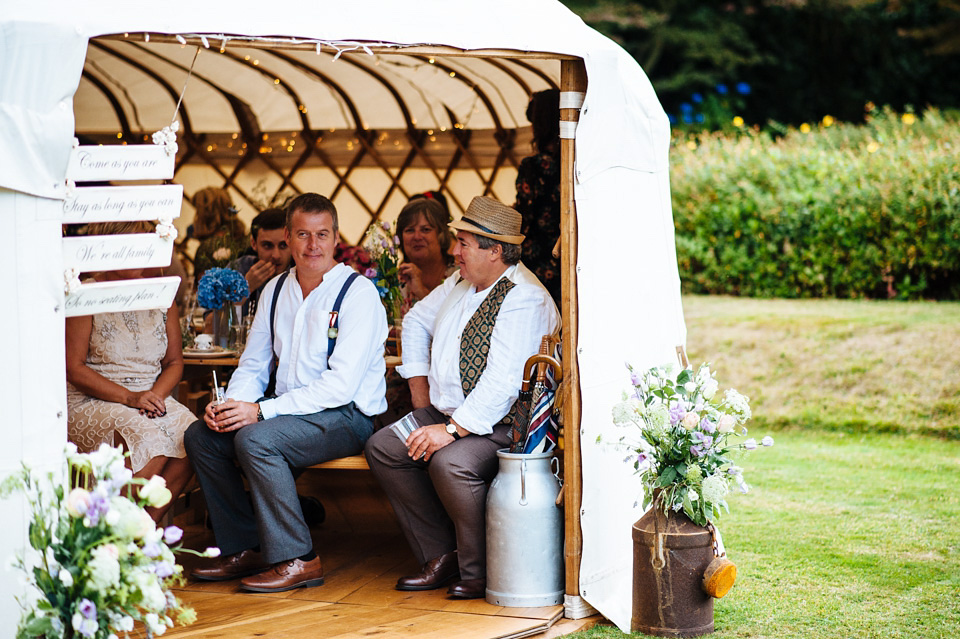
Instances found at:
x=95 y=253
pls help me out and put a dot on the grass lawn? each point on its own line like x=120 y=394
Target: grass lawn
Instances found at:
x=852 y=527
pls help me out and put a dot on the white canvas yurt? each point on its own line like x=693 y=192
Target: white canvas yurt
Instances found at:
x=367 y=101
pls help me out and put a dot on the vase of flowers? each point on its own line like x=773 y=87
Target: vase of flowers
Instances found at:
x=218 y=290
x=100 y=566
x=682 y=440
x=382 y=246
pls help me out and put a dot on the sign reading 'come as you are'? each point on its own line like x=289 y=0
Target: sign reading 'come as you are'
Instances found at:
x=95 y=253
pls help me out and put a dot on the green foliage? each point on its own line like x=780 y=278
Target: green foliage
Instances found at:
x=839 y=211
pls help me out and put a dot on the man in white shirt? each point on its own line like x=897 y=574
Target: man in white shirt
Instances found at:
x=464 y=348
x=324 y=407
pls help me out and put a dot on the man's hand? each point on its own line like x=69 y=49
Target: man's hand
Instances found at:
x=426 y=440
x=259 y=273
x=230 y=415
x=148 y=403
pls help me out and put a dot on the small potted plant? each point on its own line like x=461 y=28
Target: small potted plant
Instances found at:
x=682 y=438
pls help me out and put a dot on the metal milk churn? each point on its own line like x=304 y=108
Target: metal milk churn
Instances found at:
x=525 y=532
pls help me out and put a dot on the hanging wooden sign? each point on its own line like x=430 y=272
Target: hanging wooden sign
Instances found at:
x=121 y=295
x=112 y=252
x=114 y=203
x=120 y=162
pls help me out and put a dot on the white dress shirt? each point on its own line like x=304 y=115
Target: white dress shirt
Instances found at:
x=432 y=348
x=306 y=382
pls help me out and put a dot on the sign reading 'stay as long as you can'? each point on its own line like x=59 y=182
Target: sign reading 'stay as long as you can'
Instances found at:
x=122 y=203
x=120 y=162
x=122 y=295
x=113 y=252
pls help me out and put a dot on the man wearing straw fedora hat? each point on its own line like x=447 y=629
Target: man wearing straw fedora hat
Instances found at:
x=464 y=347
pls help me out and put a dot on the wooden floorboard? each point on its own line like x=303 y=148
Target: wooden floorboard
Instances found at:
x=363 y=554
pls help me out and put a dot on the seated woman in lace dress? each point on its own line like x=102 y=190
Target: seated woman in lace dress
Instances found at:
x=121 y=369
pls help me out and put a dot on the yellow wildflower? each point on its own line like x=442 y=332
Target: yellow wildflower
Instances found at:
x=827 y=120
x=738 y=121
x=872 y=147
x=804 y=128
x=908 y=118
x=691 y=145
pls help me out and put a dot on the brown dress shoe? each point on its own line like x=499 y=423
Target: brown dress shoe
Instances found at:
x=469 y=589
x=286 y=575
x=240 y=564
x=435 y=573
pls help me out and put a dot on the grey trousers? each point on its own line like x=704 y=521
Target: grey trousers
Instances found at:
x=441 y=504
x=268 y=452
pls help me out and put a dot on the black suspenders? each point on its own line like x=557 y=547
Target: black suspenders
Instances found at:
x=332 y=331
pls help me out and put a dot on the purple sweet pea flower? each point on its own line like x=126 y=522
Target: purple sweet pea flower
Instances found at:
x=99 y=505
x=696 y=450
x=636 y=378
x=163 y=569
x=172 y=534
x=707 y=426
x=370 y=272
x=151 y=550
x=677 y=413
x=87 y=608
x=767 y=441
x=750 y=444
x=384 y=243
x=705 y=440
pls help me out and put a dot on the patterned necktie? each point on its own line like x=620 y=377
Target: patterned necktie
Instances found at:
x=475 y=341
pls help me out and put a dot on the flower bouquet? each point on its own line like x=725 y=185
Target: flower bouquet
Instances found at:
x=382 y=246
x=220 y=287
x=681 y=439
x=101 y=564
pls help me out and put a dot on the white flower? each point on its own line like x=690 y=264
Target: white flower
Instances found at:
x=767 y=441
x=222 y=254
x=125 y=623
x=166 y=231
x=155 y=492
x=739 y=404
x=625 y=412
x=71 y=281
x=715 y=488
x=133 y=522
x=690 y=420
x=750 y=444
x=167 y=137
x=690 y=387
x=211 y=552
x=154 y=624
x=726 y=423
x=77 y=502
x=104 y=569
x=710 y=388
x=65 y=577
x=692 y=494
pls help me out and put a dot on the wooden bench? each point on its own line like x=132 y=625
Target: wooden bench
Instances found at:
x=354 y=462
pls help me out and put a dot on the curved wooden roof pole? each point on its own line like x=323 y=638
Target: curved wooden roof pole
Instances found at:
x=573 y=77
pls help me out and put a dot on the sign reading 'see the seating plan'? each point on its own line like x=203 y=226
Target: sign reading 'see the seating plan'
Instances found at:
x=93 y=253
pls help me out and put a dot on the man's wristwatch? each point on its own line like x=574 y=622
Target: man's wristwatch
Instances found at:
x=452 y=429
x=259 y=413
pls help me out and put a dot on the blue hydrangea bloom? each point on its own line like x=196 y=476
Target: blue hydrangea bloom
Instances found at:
x=219 y=286
x=722 y=89
x=743 y=88
x=698 y=118
x=697 y=97
x=686 y=107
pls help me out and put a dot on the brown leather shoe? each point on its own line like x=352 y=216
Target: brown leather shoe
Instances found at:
x=437 y=572
x=469 y=589
x=286 y=575
x=239 y=564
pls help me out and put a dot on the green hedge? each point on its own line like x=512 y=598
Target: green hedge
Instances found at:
x=835 y=210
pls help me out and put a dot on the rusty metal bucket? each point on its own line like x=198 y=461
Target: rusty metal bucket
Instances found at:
x=670 y=557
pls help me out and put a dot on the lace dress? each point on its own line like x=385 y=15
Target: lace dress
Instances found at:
x=127 y=348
